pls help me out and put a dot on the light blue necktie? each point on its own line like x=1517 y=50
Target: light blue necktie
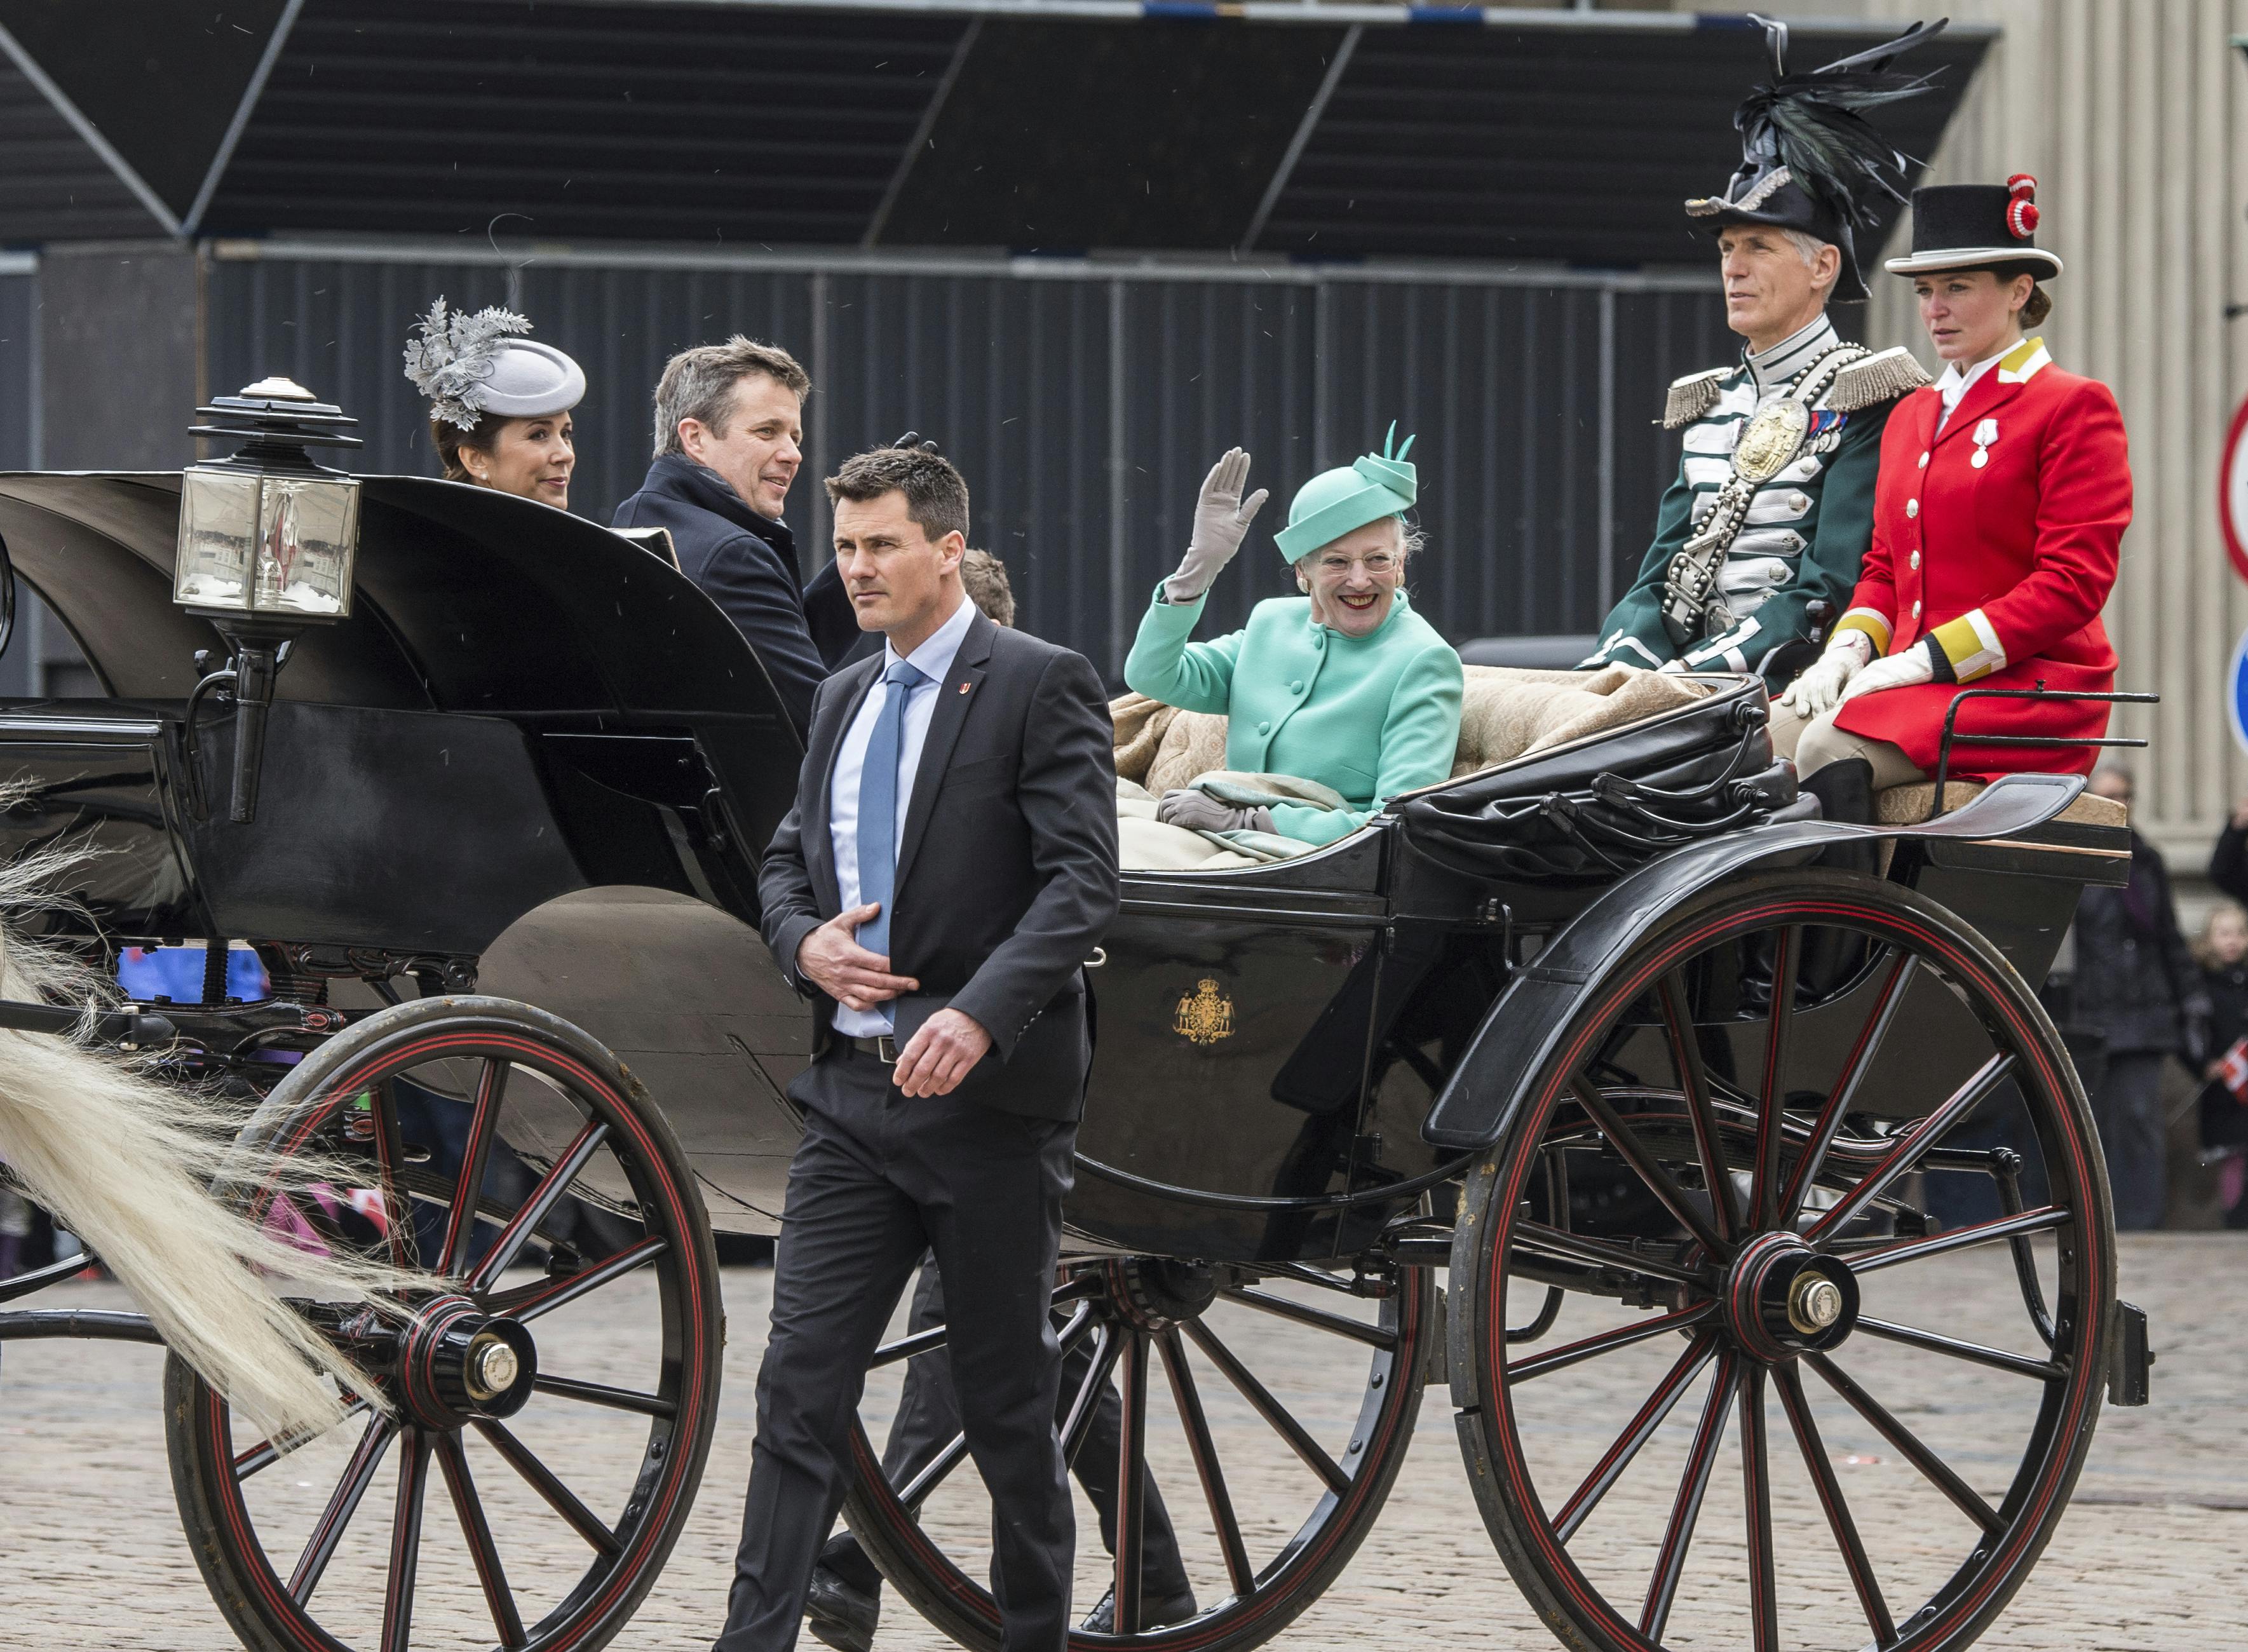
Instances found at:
x=877 y=804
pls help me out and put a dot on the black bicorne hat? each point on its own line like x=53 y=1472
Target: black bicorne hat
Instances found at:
x=1809 y=159
x=1976 y=226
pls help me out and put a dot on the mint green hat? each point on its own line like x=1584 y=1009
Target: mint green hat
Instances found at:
x=1334 y=502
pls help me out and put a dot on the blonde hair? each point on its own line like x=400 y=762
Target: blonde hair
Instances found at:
x=2205 y=949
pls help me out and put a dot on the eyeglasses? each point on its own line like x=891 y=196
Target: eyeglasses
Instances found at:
x=1378 y=564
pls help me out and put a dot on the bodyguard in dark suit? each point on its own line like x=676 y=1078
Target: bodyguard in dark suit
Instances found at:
x=950 y=865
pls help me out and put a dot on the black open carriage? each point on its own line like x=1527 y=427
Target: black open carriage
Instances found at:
x=1575 y=1086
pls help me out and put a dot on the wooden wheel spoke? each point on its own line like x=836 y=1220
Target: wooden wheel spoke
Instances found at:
x=1772 y=1113
x=469 y=1509
x=541 y=1479
x=1932 y=1342
x=2036 y=1221
x=390 y=1163
x=405 y=1543
x=528 y=1302
x=320 y=1547
x=1592 y=1347
x=1831 y=1501
x=1694 y=1084
x=1686 y=1509
x=1756 y=1497
x=1563 y=1246
x=483 y=1129
x=1633 y=1152
x=1282 y=1419
x=1132 y=1485
x=933 y=1472
x=1908 y=1148
x=1635 y=1435
x=1357 y=1330
x=1188 y=1398
x=1854 y=1067
x=542 y=1198
x=1938 y=1473
x=265 y=1453
x=648 y=1405
x=1083 y=1408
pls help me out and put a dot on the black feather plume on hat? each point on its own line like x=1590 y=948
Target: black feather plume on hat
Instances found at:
x=1813 y=124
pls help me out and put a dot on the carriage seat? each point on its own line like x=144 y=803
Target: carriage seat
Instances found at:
x=1505 y=713
x=1907 y=805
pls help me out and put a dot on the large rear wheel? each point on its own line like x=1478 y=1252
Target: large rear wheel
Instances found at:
x=1827 y=1158
x=552 y=1392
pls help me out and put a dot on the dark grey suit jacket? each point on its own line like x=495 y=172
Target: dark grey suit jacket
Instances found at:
x=1006 y=876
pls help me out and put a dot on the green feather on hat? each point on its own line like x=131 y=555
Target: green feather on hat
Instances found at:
x=1335 y=501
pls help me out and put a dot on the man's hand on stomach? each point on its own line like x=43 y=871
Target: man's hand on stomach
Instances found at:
x=832 y=959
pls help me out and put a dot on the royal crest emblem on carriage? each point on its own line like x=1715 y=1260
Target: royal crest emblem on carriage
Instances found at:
x=1205 y=1014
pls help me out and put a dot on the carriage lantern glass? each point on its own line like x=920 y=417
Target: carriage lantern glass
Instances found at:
x=267 y=531
x=267 y=541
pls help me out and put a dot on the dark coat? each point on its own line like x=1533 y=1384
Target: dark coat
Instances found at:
x=1006 y=875
x=2137 y=985
x=2227 y=863
x=745 y=562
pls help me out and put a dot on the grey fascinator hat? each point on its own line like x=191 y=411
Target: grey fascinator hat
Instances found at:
x=469 y=366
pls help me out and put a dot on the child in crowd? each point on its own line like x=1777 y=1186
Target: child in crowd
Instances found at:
x=2221 y=951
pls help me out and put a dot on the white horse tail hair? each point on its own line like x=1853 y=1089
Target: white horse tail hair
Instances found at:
x=127 y=1161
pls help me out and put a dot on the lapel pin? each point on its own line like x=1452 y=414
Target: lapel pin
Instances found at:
x=965 y=687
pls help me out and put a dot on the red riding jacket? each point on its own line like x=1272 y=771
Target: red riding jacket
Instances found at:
x=1998 y=536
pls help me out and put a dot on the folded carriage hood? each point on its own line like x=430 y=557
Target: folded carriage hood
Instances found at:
x=465 y=601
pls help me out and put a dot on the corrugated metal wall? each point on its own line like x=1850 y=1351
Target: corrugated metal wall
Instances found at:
x=1084 y=407
x=2133 y=115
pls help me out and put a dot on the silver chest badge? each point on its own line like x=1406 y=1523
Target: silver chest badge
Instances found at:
x=1985 y=433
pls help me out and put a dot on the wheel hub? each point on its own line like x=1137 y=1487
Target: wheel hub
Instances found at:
x=1782 y=1298
x=1154 y=1293
x=456 y=1364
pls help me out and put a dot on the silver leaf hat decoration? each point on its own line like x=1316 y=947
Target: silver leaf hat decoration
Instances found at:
x=452 y=358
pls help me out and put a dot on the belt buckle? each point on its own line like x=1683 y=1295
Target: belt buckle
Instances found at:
x=886 y=1049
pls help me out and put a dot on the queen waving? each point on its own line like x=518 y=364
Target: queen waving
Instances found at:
x=2003 y=492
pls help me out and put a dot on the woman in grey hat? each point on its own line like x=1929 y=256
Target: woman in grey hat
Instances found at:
x=499 y=404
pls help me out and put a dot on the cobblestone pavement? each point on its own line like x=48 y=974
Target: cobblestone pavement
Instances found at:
x=2153 y=1553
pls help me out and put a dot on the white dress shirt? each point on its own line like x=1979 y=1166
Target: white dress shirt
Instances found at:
x=1953 y=385
x=934 y=660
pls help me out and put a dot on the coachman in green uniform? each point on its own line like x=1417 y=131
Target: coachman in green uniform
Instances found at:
x=1758 y=543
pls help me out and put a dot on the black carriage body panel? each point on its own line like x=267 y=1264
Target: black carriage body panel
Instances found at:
x=84 y=780
x=1533 y=1012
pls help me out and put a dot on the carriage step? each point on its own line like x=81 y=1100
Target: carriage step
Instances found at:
x=2128 y=1366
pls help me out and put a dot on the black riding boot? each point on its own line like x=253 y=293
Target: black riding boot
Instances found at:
x=1845 y=791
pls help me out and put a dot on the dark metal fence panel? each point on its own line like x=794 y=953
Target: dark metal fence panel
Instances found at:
x=1086 y=406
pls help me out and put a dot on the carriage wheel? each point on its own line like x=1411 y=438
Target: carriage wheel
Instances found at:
x=1288 y=1482
x=1857 y=1185
x=557 y=1381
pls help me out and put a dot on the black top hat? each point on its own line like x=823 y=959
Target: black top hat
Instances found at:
x=1809 y=159
x=1976 y=226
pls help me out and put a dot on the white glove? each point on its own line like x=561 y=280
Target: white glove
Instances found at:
x=1819 y=690
x=1221 y=522
x=1897 y=671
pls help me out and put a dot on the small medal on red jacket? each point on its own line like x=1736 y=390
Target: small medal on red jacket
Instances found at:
x=1985 y=433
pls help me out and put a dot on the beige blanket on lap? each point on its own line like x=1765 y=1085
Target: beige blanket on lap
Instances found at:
x=1505 y=713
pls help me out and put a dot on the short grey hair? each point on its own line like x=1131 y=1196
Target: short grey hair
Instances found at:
x=699 y=384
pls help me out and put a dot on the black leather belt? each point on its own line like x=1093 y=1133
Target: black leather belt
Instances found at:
x=884 y=1049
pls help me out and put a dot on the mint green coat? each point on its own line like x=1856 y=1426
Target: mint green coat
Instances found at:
x=1371 y=716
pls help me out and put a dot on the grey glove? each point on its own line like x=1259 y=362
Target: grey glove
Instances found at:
x=1199 y=811
x=1221 y=522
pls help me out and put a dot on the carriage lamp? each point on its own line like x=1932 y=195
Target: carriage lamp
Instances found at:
x=267 y=541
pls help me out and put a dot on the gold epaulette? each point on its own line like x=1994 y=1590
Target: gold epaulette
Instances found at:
x=1692 y=396
x=1883 y=377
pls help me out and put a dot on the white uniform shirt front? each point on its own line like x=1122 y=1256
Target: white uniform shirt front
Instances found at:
x=934 y=660
x=1953 y=385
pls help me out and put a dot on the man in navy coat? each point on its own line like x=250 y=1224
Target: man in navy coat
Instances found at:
x=728 y=441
